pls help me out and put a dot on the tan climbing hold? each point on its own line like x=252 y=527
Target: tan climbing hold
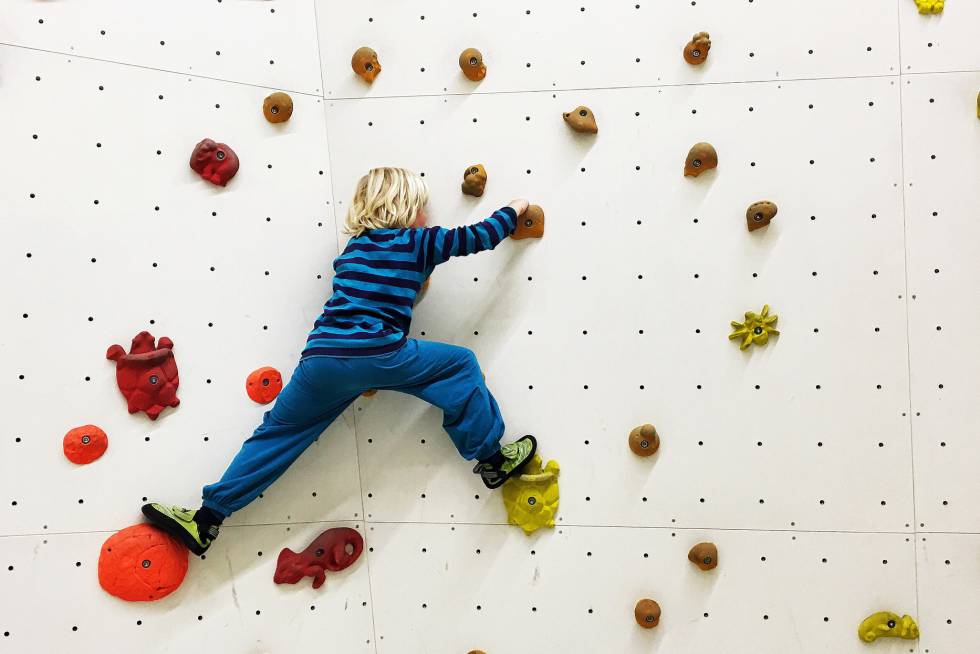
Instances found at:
x=277 y=107
x=581 y=119
x=647 y=613
x=365 y=63
x=701 y=157
x=474 y=180
x=696 y=50
x=704 y=555
x=760 y=214
x=530 y=224
x=644 y=440
x=471 y=63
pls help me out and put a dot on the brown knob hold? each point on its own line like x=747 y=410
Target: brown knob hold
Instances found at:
x=644 y=440
x=474 y=180
x=704 y=555
x=581 y=119
x=530 y=224
x=696 y=51
x=365 y=63
x=471 y=61
x=760 y=214
x=370 y=393
x=647 y=613
x=277 y=107
x=702 y=157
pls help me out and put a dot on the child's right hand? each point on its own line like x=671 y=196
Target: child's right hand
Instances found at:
x=519 y=205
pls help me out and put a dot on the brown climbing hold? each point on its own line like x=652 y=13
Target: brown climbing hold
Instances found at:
x=581 y=119
x=702 y=157
x=647 y=613
x=644 y=440
x=704 y=555
x=471 y=61
x=530 y=224
x=85 y=444
x=365 y=63
x=474 y=180
x=696 y=51
x=760 y=214
x=277 y=107
x=370 y=393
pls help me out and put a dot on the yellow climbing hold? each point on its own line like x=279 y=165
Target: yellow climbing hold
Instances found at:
x=887 y=625
x=756 y=329
x=930 y=6
x=531 y=499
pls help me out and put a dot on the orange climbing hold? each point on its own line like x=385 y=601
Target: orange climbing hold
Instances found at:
x=141 y=564
x=85 y=444
x=263 y=385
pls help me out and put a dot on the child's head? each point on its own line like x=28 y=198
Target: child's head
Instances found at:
x=386 y=198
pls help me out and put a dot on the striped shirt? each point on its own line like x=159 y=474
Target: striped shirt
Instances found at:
x=378 y=276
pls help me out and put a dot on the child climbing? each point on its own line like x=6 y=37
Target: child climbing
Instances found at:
x=360 y=342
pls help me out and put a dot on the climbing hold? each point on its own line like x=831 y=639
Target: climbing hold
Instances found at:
x=581 y=119
x=474 y=180
x=263 y=385
x=471 y=61
x=370 y=393
x=696 y=51
x=647 y=613
x=277 y=107
x=215 y=162
x=887 y=625
x=704 y=555
x=147 y=376
x=531 y=499
x=333 y=550
x=756 y=329
x=930 y=6
x=530 y=224
x=760 y=214
x=141 y=564
x=365 y=63
x=701 y=157
x=978 y=105
x=85 y=444
x=644 y=440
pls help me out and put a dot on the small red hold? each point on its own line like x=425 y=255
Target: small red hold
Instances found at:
x=263 y=385
x=141 y=564
x=333 y=550
x=85 y=444
x=147 y=376
x=215 y=162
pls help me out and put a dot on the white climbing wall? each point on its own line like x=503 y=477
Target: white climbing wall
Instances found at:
x=836 y=469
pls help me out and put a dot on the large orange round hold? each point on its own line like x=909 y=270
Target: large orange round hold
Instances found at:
x=141 y=564
x=263 y=385
x=85 y=444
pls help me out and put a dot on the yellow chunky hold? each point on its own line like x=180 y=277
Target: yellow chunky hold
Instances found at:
x=887 y=625
x=930 y=6
x=531 y=499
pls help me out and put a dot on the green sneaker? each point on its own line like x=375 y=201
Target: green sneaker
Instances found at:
x=179 y=523
x=506 y=463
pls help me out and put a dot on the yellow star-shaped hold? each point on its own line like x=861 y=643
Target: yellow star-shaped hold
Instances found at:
x=930 y=6
x=756 y=329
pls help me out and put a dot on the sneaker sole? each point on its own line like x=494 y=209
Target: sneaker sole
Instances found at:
x=517 y=469
x=167 y=524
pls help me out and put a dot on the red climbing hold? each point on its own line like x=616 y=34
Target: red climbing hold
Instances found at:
x=147 y=376
x=85 y=444
x=264 y=384
x=215 y=162
x=141 y=564
x=334 y=550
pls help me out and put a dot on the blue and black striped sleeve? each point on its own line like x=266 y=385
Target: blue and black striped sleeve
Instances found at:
x=439 y=243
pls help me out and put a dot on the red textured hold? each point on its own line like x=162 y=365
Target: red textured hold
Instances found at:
x=147 y=376
x=328 y=551
x=85 y=444
x=141 y=564
x=264 y=384
x=215 y=162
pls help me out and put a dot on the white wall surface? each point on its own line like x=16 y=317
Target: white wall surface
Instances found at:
x=835 y=469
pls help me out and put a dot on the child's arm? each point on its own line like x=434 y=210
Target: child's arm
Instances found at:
x=439 y=243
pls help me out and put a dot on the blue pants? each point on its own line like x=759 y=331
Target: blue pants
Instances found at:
x=321 y=389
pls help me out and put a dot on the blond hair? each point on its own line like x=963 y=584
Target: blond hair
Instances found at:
x=385 y=198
